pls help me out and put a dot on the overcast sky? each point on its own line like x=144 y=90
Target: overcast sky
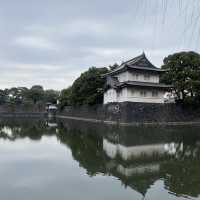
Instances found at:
x=50 y=42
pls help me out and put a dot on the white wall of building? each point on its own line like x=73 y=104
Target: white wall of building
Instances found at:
x=134 y=95
x=138 y=76
x=145 y=95
x=122 y=77
x=110 y=96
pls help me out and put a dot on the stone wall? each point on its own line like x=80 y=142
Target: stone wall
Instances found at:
x=128 y=112
x=9 y=110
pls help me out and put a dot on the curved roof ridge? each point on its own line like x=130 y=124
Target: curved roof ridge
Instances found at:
x=135 y=59
x=140 y=62
x=139 y=59
x=143 y=60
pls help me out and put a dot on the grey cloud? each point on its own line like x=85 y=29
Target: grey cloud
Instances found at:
x=51 y=42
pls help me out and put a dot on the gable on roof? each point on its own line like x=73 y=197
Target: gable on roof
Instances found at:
x=138 y=63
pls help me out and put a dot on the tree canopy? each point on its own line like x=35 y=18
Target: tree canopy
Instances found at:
x=36 y=93
x=88 y=88
x=22 y=95
x=51 y=96
x=183 y=72
x=65 y=97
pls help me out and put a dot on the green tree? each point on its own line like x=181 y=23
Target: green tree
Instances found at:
x=16 y=95
x=51 y=96
x=23 y=91
x=88 y=88
x=65 y=97
x=113 y=67
x=36 y=93
x=183 y=72
x=2 y=97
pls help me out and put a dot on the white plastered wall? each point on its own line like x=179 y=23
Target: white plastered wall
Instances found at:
x=133 y=95
x=110 y=96
x=136 y=76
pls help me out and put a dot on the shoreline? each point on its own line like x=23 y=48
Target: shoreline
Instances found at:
x=93 y=120
x=23 y=114
x=102 y=121
x=129 y=123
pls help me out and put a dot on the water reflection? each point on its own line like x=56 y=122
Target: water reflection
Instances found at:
x=141 y=158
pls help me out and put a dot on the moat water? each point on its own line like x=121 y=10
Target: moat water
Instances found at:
x=48 y=160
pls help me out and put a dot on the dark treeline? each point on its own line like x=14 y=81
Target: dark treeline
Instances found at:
x=22 y=95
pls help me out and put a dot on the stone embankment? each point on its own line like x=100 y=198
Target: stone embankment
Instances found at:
x=134 y=113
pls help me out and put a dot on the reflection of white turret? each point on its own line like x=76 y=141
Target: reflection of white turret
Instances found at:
x=131 y=153
x=141 y=169
x=126 y=153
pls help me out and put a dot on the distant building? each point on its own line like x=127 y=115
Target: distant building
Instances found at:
x=51 y=109
x=136 y=80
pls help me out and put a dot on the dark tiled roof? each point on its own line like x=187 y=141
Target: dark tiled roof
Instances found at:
x=143 y=84
x=139 y=63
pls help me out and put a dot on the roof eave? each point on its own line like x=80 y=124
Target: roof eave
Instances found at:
x=148 y=86
x=133 y=68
